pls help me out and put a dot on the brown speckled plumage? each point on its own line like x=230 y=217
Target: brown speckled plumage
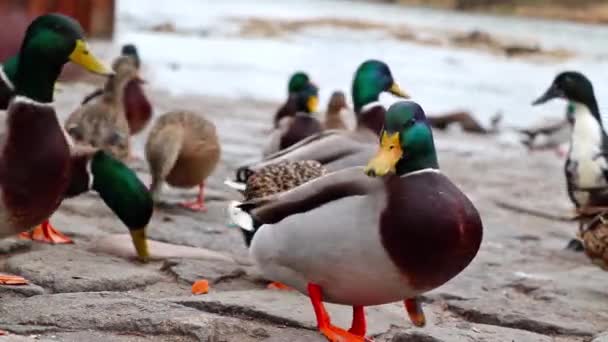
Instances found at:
x=595 y=240
x=281 y=177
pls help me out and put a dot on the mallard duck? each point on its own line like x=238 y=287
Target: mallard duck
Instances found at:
x=340 y=149
x=303 y=124
x=586 y=166
x=137 y=107
x=182 y=150
x=369 y=236
x=101 y=122
x=296 y=83
x=274 y=179
x=333 y=116
x=36 y=172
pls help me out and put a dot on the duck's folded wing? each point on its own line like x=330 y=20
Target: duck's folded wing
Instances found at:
x=324 y=148
x=311 y=195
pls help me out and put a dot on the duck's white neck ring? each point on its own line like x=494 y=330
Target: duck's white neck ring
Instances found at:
x=6 y=80
x=417 y=172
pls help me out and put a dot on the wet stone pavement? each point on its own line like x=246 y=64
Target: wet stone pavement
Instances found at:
x=523 y=286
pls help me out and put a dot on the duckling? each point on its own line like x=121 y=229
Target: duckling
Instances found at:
x=182 y=150
x=369 y=236
x=101 y=122
x=333 y=116
x=586 y=167
x=296 y=83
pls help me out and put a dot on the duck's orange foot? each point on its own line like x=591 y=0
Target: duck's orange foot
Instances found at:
x=3 y=333
x=275 y=285
x=414 y=310
x=195 y=206
x=47 y=234
x=335 y=334
x=8 y=279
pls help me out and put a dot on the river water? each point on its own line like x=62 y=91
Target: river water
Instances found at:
x=207 y=55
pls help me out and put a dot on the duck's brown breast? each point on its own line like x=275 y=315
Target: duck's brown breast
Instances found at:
x=35 y=164
x=137 y=107
x=430 y=229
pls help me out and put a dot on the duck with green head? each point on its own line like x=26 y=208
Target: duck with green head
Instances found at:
x=297 y=82
x=402 y=227
x=36 y=174
x=340 y=149
x=303 y=124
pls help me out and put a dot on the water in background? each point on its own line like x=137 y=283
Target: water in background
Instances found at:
x=212 y=58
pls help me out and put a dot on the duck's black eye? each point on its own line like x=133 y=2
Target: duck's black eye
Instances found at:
x=410 y=123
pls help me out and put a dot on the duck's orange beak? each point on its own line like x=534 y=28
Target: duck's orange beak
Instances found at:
x=387 y=157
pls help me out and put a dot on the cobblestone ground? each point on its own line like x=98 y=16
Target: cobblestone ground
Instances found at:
x=521 y=287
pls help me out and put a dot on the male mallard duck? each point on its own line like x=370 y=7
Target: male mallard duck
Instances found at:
x=335 y=107
x=586 y=166
x=369 y=236
x=101 y=122
x=36 y=172
x=340 y=149
x=301 y=125
x=297 y=82
x=137 y=107
x=182 y=149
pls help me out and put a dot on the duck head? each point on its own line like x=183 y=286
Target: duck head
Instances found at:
x=297 y=82
x=406 y=142
x=371 y=79
x=307 y=99
x=130 y=50
x=50 y=41
x=574 y=87
x=337 y=102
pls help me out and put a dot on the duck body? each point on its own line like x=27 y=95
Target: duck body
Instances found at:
x=586 y=165
x=182 y=150
x=138 y=109
x=34 y=173
x=387 y=236
x=333 y=115
x=300 y=127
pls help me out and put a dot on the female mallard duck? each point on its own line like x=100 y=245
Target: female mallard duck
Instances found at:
x=586 y=166
x=339 y=149
x=293 y=129
x=393 y=244
x=36 y=172
x=335 y=107
x=276 y=178
x=182 y=149
x=297 y=82
x=101 y=122
x=136 y=106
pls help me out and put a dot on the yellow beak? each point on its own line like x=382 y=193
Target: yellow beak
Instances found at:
x=312 y=104
x=387 y=157
x=83 y=57
x=141 y=243
x=395 y=90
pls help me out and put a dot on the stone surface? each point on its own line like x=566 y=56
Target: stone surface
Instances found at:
x=14 y=244
x=67 y=269
x=222 y=275
x=468 y=332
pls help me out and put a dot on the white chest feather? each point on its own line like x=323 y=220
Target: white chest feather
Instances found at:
x=586 y=148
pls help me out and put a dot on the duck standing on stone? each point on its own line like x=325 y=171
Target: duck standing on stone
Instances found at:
x=586 y=165
x=369 y=236
x=36 y=174
x=301 y=125
x=297 y=82
x=183 y=150
x=333 y=116
x=340 y=149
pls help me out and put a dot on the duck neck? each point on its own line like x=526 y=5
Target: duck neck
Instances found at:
x=36 y=77
x=371 y=117
x=589 y=106
x=418 y=158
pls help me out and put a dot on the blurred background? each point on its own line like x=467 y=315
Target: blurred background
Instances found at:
x=481 y=56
